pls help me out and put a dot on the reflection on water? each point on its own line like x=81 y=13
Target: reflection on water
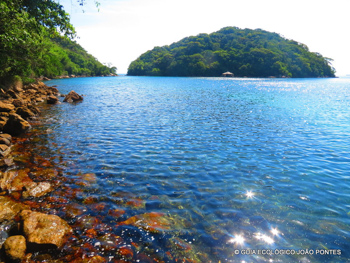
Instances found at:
x=203 y=169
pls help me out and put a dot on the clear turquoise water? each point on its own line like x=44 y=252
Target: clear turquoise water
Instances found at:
x=245 y=163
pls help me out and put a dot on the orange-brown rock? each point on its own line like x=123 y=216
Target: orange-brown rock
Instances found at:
x=5 y=139
x=37 y=189
x=6 y=107
x=9 y=208
x=52 y=99
x=43 y=229
x=72 y=97
x=15 y=247
x=15 y=180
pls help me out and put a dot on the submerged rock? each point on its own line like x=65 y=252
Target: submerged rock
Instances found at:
x=156 y=222
x=72 y=97
x=15 y=180
x=9 y=208
x=15 y=247
x=37 y=189
x=42 y=229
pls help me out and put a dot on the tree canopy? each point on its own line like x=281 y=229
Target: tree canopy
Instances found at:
x=244 y=52
x=35 y=39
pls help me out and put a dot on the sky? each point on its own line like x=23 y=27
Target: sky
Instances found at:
x=119 y=31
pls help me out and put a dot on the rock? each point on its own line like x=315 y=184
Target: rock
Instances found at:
x=6 y=107
x=16 y=125
x=25 y=112
x=72 y=97
x=6 y=162
x=12 y=94
x=4 y=140
x=6 y=213
x=42 y=229
x=3 y=121
x=53 y=90
x=6 y=136
x=41 y=85
x=37 y=189
x=30 y=87
x=33 y=109
x=155 y=222
x=9 y=208
x=74 y=210
x=4 y=150
x=52 y=99
x=15 y=180
x=15 y=247
x=45 y=174
x=19 y=103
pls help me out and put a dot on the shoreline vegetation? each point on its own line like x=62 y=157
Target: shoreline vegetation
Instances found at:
x=37 y=39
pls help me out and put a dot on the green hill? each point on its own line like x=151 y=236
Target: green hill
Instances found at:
x=244 y=52
x=66 y=57
x=36 y=40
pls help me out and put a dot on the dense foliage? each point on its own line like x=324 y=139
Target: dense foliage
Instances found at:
x=244 y=52
x=34 y=41
x=66 y=57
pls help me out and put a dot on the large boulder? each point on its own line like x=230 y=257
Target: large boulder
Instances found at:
x=15 y=247
x=43 y=229
x=72 y=97
x=16 y=124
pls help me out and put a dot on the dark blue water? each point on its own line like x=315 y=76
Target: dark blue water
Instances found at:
x=237 y=164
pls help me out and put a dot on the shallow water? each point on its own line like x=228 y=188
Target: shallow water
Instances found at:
x=225 y=165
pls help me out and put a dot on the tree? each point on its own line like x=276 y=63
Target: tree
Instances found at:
x=245 y=52
x=36 y=39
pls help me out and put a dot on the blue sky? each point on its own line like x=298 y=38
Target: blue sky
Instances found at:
x=124 y=29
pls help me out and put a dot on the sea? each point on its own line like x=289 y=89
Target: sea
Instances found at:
x=202 y=169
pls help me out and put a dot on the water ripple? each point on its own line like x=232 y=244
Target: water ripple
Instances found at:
x=237 y=158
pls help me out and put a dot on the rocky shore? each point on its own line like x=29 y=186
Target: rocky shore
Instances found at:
x=48 y=216
x=23 y=231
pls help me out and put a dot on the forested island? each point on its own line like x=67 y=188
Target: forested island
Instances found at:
x=36 y=40
x=244 y=52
